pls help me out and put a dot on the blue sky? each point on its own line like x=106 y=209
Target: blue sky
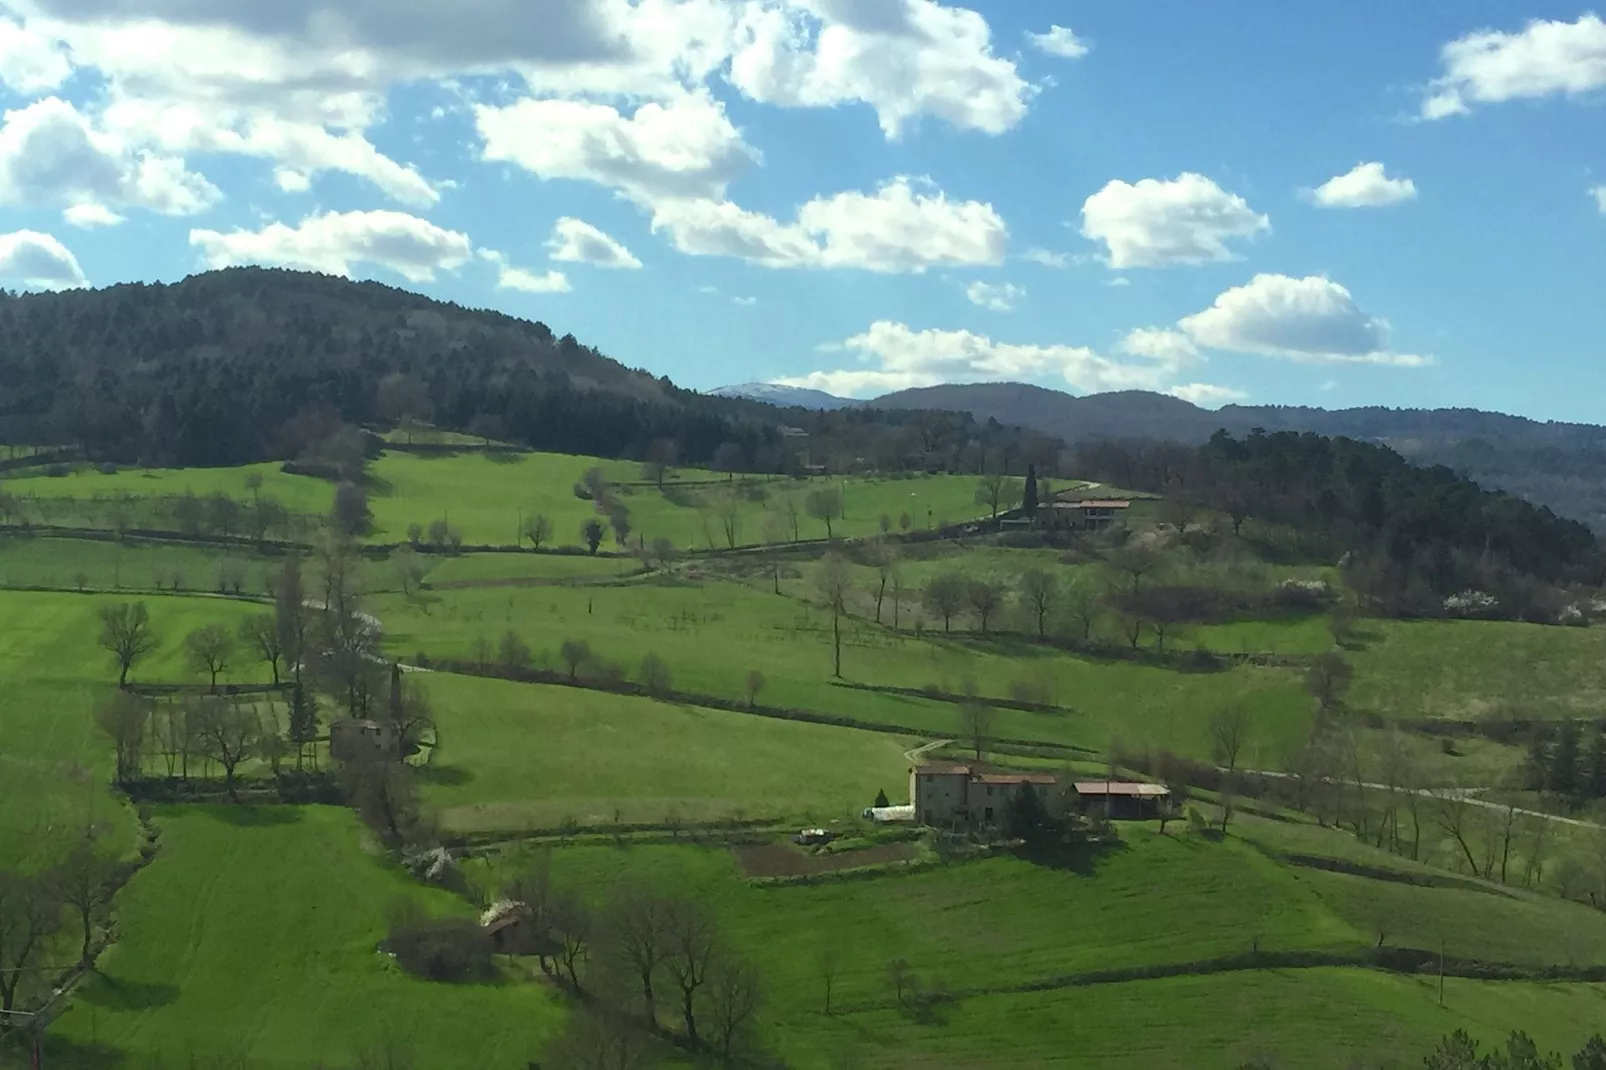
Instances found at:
x=1371 y=203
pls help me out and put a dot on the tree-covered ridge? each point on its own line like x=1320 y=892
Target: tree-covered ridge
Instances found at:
x=210 y=370
x=1413 y=535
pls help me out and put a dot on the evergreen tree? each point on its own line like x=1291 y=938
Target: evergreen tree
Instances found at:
x=1594 y=785
x=303 y=721
x=881 y=799
x=1026 y=817
x=1536 y=769
x=1564 y=779
x=1029 y=502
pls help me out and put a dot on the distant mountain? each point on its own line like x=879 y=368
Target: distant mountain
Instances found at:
x=1561 y=465
x=786 y=396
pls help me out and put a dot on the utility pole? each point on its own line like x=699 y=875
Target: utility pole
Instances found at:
x=1441 y=971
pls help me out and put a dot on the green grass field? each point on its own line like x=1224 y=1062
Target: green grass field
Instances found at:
x=112 y=566
x=254 y=934
x=518 y=756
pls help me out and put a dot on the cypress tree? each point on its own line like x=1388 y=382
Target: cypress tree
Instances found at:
x=1029 y=499
x=1564 y=780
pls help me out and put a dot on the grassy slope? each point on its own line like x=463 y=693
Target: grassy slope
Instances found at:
x=518 y=755
x=53 y=761
x=46 y=562
x=254 y=933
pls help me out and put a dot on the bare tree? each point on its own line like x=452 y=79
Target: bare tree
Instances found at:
x=735 y=997
x=260 y=633
x=901 y=976
x=834 y=579
x=571 y=921
x=30 y=914
x=124 y=719
x=1082 y=604
x=944 y=595
x=639 y=926
x=998 y=492
x=83 y=881
x=661 y=457
x=513 y=653
x=229 y=734
x=692 y=945
x=755 y=684
x=825 y=505
x=1135 y=562
x=125 y=632
x=793 y=515
x=591 y=532
x=984 y=597
x=1229 y=732
x=1452 y=812
x=350 y=512
x=728 y=505
x=1327 y=680
x=976 y=719
x=409 y=569
x=1039 y=594
x=886 y=566
x=575 y=653
x=409 y=714
x=386 y=797
x=538 y=529
x=655 y=676
x=829 y=962
x=208 y=650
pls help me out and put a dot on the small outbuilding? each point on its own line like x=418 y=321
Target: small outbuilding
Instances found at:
x=950 y=794
x=352 y=739
x=1123 y=800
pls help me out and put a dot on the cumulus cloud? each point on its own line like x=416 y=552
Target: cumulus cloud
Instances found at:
x=907 y=59
x=1059 y=41
x=995 y=296
x=91 y=215
x=682 y=148
x=50 y=154
x=900 y=357
x=1599 y=193
x=1310 y=320
x=899 y=228
x=576 y=241
x=333 y=242
x=30 y=63
x=1172 y=349
x=1046 y=257
x=509 y=277
x=1207 y=395
x=745 y=301
x=1545 y=58
x=1366 y=186
x=1156 y=223
x=39 y=262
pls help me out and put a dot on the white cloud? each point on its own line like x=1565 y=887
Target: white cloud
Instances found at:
x=413 y=248
x=576 y=241
x=291 y=181
x=1545 y=58
x=903 y=358
x=89 y=215
x=1207 y=395
x=1059 y=41
x=997 y=297
x=509 y=277
x=1172 y=349
x=50 y=154
x=29 y=62
x=684 y=148
x=904 y=58
x=746 y=302
x=1599 y=193
x=1046 y=258
x=896 y=229
x=1366 y=186
x=1155 y=223
x=1119 y=281
x=39 y=261
x=1310 y=320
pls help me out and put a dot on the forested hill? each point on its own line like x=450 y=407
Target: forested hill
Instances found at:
x=214 y=370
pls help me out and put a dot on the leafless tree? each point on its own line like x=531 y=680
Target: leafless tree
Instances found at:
x=125 y=632
x=944 y=595
x=209 y=649
x=385 y=795
x=976 y=719
x=834 y=580
x=639 y=926
x=571 y=921
x=260 y=633
x=1082 y=604
x=538 y=529
x=728 y=506
x=229 y=733
x=1327 y=680
x=575 y=653
x=1535 y=829
x=30 y=914
x=692 y=945
x=513 y=653
x=410 y=715
x=83 y=881
x=829 y=963
x=1229 y=732
x=661 y=457
x=1135 y=562
x=598 y=1038
x=998 y=492
x=655 y=674
x=735 y=997
x=1039 y=594
x=793 y=515
x=984 y=597
x=1452 y=812
x=886 y=565
x=755 y=684
x=901 y=976
x=825 y=505
x=124 y=719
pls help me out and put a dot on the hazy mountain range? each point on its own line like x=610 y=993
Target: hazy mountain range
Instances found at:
x=1561 y=465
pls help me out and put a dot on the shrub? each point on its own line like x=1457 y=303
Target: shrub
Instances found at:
x=438 y=949
x=655 y=674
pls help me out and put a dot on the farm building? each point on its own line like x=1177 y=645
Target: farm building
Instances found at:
x=351 y=739
x=949 y=794
x=1094 y=515
x=1124 y=800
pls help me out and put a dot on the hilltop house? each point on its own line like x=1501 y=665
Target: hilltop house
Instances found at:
x=963 y=794
x=1091 y=515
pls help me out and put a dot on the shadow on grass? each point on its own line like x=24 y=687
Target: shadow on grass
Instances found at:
x=113 y=994
x=1361 y=639
x=59 y=1051
x=1079 y=857
x=450 y=776
x=378 y=486
x=255 y=815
